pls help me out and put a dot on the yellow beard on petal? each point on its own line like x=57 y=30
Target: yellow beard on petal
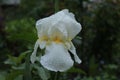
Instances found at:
x=49 y=40
x=57 y=40
x=44 y=38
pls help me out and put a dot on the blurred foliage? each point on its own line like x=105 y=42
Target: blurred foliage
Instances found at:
x=98 y=45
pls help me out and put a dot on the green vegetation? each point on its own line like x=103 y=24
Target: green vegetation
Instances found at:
x=98 y=45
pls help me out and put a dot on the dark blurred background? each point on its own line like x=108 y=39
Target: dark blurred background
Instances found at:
x=98 y=44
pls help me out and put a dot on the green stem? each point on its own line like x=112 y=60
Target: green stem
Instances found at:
x=56 y=5
x=56 y=76
x=27 y=72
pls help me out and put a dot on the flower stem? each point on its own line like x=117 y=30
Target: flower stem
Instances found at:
x=56 y=76
x=56 y=5
x=27 y=72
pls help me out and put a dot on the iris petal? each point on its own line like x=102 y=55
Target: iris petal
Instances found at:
x=73 y=51
x=62 y=20
x=42 y=44
x=66 y=11
x=33 y=56
x=56 y=58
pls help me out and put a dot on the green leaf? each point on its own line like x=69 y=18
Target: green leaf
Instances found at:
x=43 y=73
x=16 y=60
x=23 y=55
x=20 y=67
x=111 y=66
x=93 y=66
x=76 y=70
x=20 y=77
x=12 y=60
x=2 y=77
x=13 y=74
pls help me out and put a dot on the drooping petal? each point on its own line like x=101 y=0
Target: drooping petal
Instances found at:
x=56 y=58
x=33 y=56
x=73 y=51
x=67 y=45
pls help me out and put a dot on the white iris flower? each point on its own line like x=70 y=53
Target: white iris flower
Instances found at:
x=54 y=35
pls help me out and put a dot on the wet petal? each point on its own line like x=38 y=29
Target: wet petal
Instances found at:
x=67 y=20
x=66 y=11
x=56 y=58
x=63 y=20
x=33 y=56
x=55 y=33
x=72 y=27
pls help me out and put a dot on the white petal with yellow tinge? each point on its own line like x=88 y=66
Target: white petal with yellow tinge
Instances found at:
x=54 y=35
